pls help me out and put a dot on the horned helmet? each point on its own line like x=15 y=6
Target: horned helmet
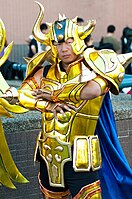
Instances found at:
x=65 y=28
x=61 y=30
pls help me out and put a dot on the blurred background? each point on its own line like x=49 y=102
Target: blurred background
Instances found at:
x=19 y=17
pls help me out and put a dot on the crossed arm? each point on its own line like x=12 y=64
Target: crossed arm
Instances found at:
x=45 y=100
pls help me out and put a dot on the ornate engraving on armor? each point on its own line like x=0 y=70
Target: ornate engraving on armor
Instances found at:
x=55 y=153
x=110 y=66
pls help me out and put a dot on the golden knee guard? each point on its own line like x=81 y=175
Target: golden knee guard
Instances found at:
x=91 y=191
x=53 y=195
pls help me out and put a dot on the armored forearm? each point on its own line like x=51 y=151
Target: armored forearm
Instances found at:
x=27 y=100
x=72 y=92
x=69 y=92
x=24 y=98
x=29 y=84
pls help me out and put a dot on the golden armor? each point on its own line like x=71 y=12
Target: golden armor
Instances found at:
x=58 y=136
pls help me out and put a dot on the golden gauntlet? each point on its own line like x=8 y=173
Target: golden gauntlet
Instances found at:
x=29 y=83
x=11 y=95
x=27 y=100
x=91 y=191
x=69 y=93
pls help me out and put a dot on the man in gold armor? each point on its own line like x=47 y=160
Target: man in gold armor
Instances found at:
x=69 y=92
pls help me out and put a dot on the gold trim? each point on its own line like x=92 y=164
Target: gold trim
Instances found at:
x=50 y=194
x=46 y=146
x=89 y=191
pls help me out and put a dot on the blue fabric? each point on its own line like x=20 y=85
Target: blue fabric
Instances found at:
x=116 y=174
x=2 y=53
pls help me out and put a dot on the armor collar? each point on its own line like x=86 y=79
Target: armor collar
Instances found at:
x=73 y=70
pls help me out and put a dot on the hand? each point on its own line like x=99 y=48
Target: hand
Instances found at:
x=57 y=108
x=42 y=94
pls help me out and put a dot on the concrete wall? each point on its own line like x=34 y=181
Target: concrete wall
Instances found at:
x=19 y=51
x=21 y=133
x=19 y=16
x=21 y=141
x=124 y=128
x=22 y=145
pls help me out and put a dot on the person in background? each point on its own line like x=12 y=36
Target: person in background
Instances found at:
x=109 y=41
x=35 y=46
x=11 y=70
x=42 y=47
x=80 y=21
x=89 y=41
x=126 y=41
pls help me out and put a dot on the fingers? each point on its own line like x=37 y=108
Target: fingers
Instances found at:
x=56 y=109
x=40 y=91
x=55 y=114
x=40 y=94
x=71 y=107
x=37 y=92
x=66 y=107
x=60 y=110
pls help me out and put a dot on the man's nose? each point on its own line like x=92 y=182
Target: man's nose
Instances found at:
x=64 y=47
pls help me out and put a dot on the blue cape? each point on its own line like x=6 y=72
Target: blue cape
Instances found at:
x=116 y=174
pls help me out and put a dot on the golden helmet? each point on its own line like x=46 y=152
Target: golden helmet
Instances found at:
x=61 y=30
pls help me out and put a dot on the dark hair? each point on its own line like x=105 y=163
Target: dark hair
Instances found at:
x=87 y=39
x=43 y=26
x=111 y=28
x=79 y=19
x=127 y=32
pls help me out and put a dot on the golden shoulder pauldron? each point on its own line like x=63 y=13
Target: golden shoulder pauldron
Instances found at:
x=109 y=65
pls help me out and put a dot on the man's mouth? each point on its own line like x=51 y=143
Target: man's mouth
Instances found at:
x=66 y=56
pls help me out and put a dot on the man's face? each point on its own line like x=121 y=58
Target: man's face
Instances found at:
x=65 y=52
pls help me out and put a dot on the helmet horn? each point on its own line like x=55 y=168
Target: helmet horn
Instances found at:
x=39 y=36
x=84 y=31
x=125 y=59
x=2 y=35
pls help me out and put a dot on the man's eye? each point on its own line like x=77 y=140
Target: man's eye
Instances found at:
x=69 y=42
